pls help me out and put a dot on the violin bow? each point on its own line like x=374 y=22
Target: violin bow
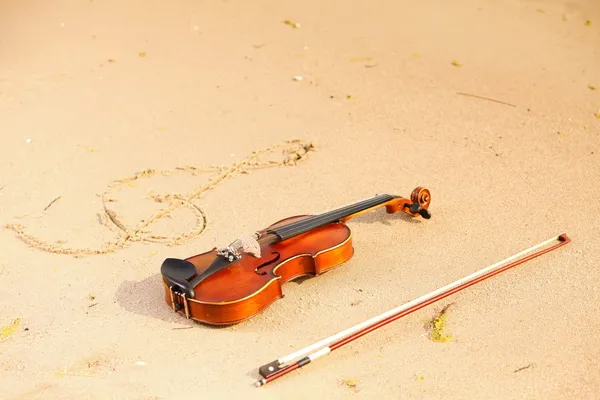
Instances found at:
x=282 y=366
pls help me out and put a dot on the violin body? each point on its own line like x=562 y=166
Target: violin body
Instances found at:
x=257 y=283
x=223 y=287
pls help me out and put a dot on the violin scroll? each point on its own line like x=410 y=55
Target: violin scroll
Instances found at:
x=421 y=199
x=422 y=196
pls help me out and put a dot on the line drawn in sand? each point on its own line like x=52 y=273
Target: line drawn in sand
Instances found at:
x=292 y=152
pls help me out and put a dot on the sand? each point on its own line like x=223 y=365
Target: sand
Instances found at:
x=175 y=93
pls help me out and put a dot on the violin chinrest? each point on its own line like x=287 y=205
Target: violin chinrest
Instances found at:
x=178 y=273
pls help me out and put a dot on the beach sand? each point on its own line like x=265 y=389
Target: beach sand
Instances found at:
x=120 y=104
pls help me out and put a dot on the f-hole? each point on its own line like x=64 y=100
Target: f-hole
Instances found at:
x=267 y=263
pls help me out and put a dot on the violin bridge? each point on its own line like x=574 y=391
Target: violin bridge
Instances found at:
x=250 y=244
x=246 y=243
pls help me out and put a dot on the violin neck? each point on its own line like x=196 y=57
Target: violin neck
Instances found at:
x=314 y=222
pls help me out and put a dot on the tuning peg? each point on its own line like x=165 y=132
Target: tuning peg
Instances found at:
x=416 y=208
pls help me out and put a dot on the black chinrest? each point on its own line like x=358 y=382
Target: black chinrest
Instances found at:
x=178 y=273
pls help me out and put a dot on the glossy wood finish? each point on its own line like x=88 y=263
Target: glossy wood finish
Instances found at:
x=249 y=286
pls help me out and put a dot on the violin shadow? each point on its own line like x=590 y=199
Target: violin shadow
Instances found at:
x=382 y=217
x=301 y=279
x=146 y=298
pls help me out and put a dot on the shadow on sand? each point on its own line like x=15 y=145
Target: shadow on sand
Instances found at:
x=146 y=298
x=380 y=216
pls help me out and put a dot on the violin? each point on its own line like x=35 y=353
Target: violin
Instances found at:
x=228 y=285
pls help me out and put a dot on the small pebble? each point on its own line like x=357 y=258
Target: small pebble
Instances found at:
x=28 y=141
x=298 y=78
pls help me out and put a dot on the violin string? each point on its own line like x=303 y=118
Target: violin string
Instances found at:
x=296 y=228
x=299 y=227
x=322 y=217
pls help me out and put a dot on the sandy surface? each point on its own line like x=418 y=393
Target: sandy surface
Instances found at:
x=93 y=92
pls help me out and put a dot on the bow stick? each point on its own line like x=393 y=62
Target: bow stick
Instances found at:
x=278 y=368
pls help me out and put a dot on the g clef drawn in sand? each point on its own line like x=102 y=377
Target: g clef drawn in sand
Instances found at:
x=290 y=153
